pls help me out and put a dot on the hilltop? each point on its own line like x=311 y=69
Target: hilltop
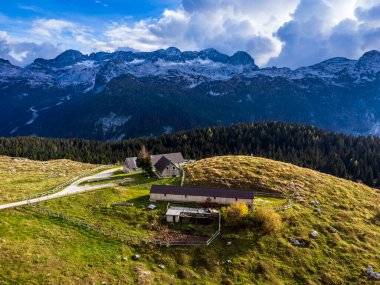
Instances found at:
x=40 y=249
x=322 y=202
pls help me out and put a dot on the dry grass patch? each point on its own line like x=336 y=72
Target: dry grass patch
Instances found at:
x=19 y=177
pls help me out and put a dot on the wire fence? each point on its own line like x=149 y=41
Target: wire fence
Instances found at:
x=63 y=185
x=284 y=207
x=270 y=194
x=122 y=236
x=128 y=238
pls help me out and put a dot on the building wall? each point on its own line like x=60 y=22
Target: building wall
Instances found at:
x=170 y=171
x=172 y=219
x=197 y=199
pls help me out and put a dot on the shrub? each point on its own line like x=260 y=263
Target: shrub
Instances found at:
x=182 y=258
x=186 y=273
x=235 y=213
x=268 y=220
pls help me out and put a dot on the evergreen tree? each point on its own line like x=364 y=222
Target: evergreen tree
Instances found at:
x=144 y=161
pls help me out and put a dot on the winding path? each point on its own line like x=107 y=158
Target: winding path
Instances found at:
x=72 y=189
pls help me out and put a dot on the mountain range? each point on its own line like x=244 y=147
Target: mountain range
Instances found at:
x=124 y=94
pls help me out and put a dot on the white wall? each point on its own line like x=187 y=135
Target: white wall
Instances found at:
x=197 y=199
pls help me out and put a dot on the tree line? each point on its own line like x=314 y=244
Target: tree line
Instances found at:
x=351 y=157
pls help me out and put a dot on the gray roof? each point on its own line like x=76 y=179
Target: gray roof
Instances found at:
x=205 y=192
x=162 y=163
x=130 y=162
x=175 y=157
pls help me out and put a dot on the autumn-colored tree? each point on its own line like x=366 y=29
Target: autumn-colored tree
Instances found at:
x=235 y=213
x=268 y=220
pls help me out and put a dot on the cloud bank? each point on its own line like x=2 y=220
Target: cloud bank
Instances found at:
x=289 y=33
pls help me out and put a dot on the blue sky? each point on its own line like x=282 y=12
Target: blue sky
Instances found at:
x=275 y=32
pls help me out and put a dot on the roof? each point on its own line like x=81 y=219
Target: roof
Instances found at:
x=130 y=162
x=205 y=192
x=175 y=157
x=176 y=211
x=163 y=163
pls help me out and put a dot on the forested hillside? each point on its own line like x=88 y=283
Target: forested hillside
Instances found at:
x=350 y=157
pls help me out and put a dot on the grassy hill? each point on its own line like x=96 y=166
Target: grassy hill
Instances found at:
x=351 y=208
x=36 y=248
x=21 y=176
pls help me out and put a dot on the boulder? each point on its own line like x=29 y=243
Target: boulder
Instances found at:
x=371 y=273
x=314 y=202
x=294 y=242
x=135 y=257
x=161 y=266
x=314 y=234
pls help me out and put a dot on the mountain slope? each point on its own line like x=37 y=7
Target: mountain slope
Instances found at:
x=126 y=94
x=347 y=218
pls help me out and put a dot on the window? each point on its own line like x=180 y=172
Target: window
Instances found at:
x=214 y=198
x=185 y=196
x=235 y=199
x=165 y=195
x=173 y=168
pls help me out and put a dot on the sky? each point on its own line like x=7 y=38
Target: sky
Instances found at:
x=290 y=33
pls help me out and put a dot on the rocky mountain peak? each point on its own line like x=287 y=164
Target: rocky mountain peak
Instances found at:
x=214 y=55
x=4 y=62
x=241 y=58
x=68 y=57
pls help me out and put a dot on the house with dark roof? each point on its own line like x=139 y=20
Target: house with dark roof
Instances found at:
x=166 y=165
x=200 y=195
x=166 y=168
x=175 y=157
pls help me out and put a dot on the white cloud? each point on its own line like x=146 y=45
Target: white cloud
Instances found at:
x=225 y=25
x=50 y=27
x=328 y=28
x=275 y=32
x=22 y=53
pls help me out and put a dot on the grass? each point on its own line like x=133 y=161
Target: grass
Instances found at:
x=38 y=249
x=19 y=177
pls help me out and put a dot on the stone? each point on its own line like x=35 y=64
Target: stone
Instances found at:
x=318 y=210
x=375 y=275
x=229 y=243
x=314 y=202
x=161 y=266
x=135 y=257
x=371 y=273
x=229 y=261
x=369 y=269
x=124 y=259
x=314 y=234
x=294 y=242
